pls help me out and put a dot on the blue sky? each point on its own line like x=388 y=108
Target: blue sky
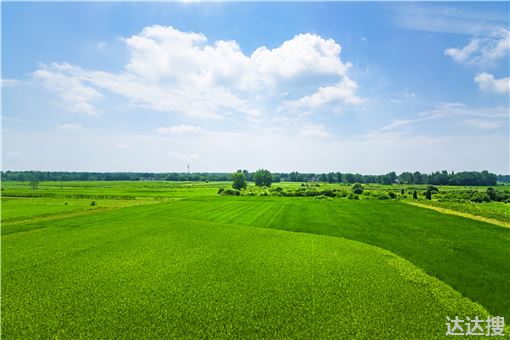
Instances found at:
x=316 y=87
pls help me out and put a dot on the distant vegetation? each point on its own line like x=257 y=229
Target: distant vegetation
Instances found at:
x=471 y=178
x=376 y=192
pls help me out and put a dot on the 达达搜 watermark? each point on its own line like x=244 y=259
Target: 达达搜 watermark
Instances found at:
x=491 y=326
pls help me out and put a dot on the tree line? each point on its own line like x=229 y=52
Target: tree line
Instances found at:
x=436 y=178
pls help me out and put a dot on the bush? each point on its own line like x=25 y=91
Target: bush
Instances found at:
x=220 y=190
x=353 y=196
x=93 y=203
x=492 y=194
x=392 y=195
x=357 y=189
x=231 y=192
x=323 y=197
x=329 y=193
x=428 y=194
x=432 y=189
x=480 y=197
x=380 y=195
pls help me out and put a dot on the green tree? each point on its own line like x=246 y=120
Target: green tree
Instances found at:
x=262 y=177
x=238 y=180
x=357 y=189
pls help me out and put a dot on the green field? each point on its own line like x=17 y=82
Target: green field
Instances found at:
x=166 y=259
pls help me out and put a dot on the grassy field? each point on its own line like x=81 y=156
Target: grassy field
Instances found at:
x=177 y=260
x=493 y=210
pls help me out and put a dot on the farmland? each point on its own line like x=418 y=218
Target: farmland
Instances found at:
x=168 y=259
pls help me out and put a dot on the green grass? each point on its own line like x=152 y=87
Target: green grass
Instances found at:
x=495 y=210
x=471 y=256
x=195 y=264
x=22 y=208
x=143 y=272
x=111 y=190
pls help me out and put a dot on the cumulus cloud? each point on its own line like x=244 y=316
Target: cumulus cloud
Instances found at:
x=482 y=49
x=487 y=82
x=182 y=72
x=343 y=92
x=179 y=130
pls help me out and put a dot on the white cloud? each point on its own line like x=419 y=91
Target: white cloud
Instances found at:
x=75 y=96
x=179 y=130
x=462 y=54
x=343 y=92
x=487 y=82
x=182 y=72
x=483 y=49
x=101 y=45
x=314 y=130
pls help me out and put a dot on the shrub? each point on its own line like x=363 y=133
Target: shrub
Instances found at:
x=231 y=192
x=428 y=194
x=328 y=192
x=480 y=197
x=432 y=189
x=392 y=195
x=93 y=203
x=323 y=197
x=353 y=196
x=357 y=189
x=492 y=194
x=342 y=193
x=220 y=190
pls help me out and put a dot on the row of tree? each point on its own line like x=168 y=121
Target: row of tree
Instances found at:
x=435 y=178
x=261 y=177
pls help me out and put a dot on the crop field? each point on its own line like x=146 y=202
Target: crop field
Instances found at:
x=169 y=259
